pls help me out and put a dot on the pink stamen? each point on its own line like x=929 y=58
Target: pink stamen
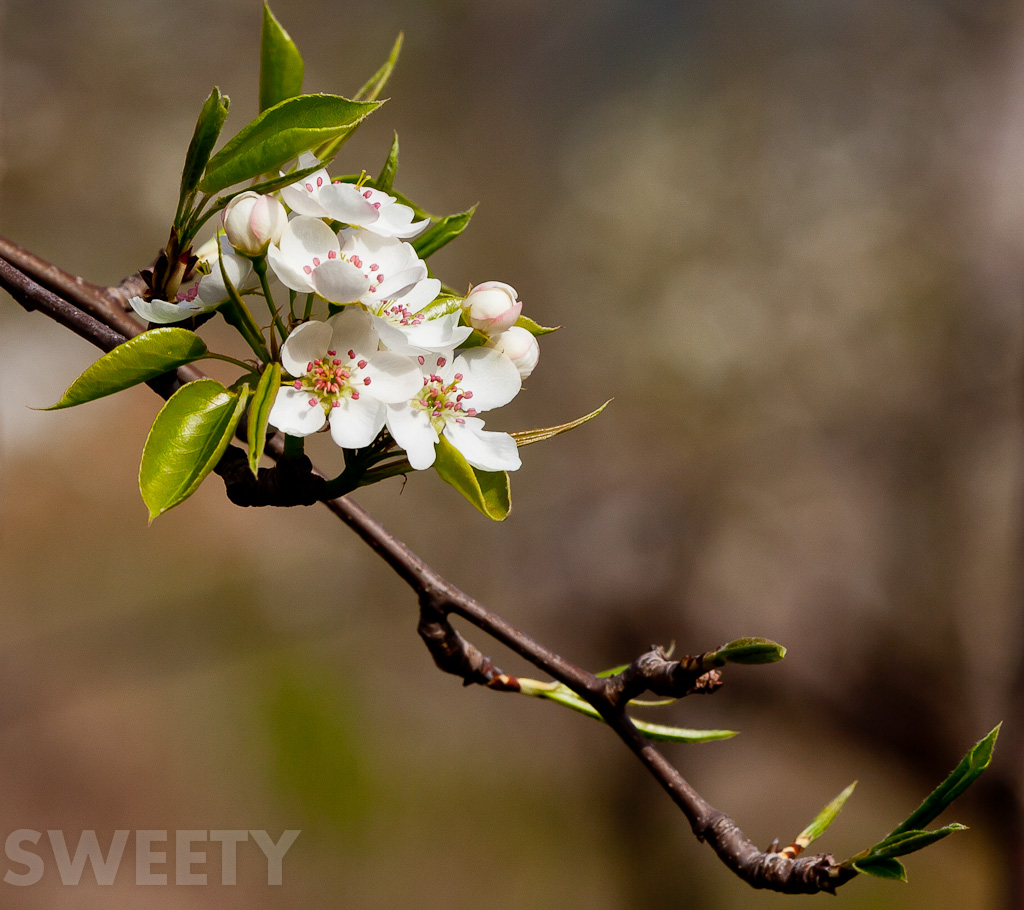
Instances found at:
x=361 y=364
x=319 y=181
x=332 y=255
x=366 y=381
x=307 y=269
x=313 y=402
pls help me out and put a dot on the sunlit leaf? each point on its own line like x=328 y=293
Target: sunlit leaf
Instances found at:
x=891 y=869
x=211 y=120
x=441 y=233
x=137 y=360
x=281 y=66
x=488 y=491
x=387 y=173
x=824 y=818
x=259 y=411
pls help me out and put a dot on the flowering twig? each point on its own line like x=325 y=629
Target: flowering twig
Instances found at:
x=98 y=315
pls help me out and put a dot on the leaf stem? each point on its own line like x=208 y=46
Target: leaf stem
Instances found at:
x=259 y=265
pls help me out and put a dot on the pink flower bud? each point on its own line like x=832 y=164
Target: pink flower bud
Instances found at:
x=519 y=346
x=492 y=307
x=252 y=222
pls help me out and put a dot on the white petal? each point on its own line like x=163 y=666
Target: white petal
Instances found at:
x=345 y=202
x=483 y=449
x=393 y=378
x=353 y=331
x=491 y=377
x=339 y=281
x=307 y=342
x=291 y=276
x=161 y=312
x=356 y=421
x=397 y=222
x=306 y=239
x=413 y=431
x=303 y=196
x=293 y=414
x=395 y=285
x=420 y=294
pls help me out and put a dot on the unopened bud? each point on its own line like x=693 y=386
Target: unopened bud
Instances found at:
x=519 y=346
x=252 y=222
x=492 y=307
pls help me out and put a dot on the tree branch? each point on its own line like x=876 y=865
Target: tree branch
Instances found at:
x=99 y=315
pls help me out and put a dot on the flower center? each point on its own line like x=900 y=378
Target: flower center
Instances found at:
x=443 y=401
x=330 y=379
x=399 y=313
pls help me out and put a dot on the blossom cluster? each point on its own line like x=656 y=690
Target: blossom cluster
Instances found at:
x=396 y=351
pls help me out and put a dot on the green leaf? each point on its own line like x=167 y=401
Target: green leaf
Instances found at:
x=375 y=85
x=748 y=651
x=911 y=841
x=369 y=92
x=824 y=818
x=441 y=233
x=139 y=359
x=280 y=133
x=186 y=441
x=528 y=437
x=960 y=778
x=525 y=322
x=211 y=120
x=612 y=671
x=488 y=491
x=891 y=869
x=259 y=410
x=387 y=173
x=562 y=695
x=281 y=66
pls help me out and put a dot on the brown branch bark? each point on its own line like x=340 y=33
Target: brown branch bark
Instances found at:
x=99 y=315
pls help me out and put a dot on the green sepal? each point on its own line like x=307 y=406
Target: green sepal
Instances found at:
x=824 y=818
x=441 y=233
x=749 y=651
x=137 y=360
x=369 y=92
x=525 y=322
x=281 y=66
x=387 y=173
x=281 y=133
x=564 y=696
x=211 y=120
x=259 y=410
x=186 y=441
x=488 y=491
x=528 y=437
x=888 y=868
x=959 y=779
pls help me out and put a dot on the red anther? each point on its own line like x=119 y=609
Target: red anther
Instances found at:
x=355 y=395
x=376 y=205
x=313 y=402
x=335 y=404
x=336 y=362
x=361 y=364
x=421 y=360
x=441 y=361
x=307 y=269
x=471 y=412
x=332 y=255
x=380 y=277
x=374 y=267
x=459 y=420
x=372 y=289
x=367 y=194
x=351 y=355
x=297 y=384
x=309 y=367
x=468 y=394
x=458 y=377
x=366 y=381
x=319 y=181
x=309 y=187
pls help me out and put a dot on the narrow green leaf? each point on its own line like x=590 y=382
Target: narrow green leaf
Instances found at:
x=891 y=869
x=567 y=698
x=441 y=233
x=911 y=841
x=186 y=441
x=747 y=651
x=375 y=85
x=369 y=92
x=824 y=818
x=960 y=778
x=211 y=120
x=441 y=306
x=280 y=133
x=525 y=322
x=613 y=671
x=281 y=66
x=259 y=410
x=387 y=173
x=528 y=437
x=139 y=359
x=488 y=491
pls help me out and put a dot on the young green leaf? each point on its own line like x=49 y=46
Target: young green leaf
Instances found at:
x=281 y=66
x=960 y=778
x=211 y=120
x=525 y=322
x=528 y=437
x=911 y=841
x=387 y=173
x=564 y=696
x=259 y=410
x=186 y=441
x=441 y=233
x=824 y=819
x=887 y=868
x=280 y=133
x=369 y=92
x=750 y=651
x=488 y=491
x=137 y=360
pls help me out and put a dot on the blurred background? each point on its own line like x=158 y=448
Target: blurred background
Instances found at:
x=786 y=236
